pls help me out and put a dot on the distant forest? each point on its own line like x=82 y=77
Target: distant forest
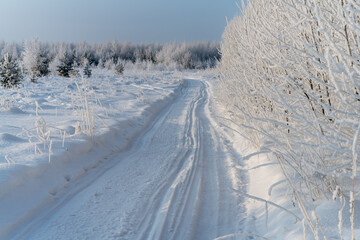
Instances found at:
x=197 y=55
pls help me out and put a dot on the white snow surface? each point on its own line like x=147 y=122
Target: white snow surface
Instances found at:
x=156 y=168
x=163 y=163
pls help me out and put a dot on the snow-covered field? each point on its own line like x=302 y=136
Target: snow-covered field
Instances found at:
x=42 y=132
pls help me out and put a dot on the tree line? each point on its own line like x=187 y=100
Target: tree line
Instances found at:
x=37 y=59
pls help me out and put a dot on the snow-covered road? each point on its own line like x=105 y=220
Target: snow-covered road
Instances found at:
x=173 y=181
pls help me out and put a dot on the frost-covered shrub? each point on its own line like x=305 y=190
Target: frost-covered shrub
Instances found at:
x=290 y=76
x=10 y=72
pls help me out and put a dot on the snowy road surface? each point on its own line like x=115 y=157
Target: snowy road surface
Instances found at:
x=174 y=181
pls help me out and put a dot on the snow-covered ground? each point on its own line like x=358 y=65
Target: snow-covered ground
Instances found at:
x=155 y=168
x=42 y=146
x=163 y=163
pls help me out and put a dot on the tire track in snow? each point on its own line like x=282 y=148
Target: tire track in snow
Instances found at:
x=171 y=184
x=152 y=216
x=190 y=208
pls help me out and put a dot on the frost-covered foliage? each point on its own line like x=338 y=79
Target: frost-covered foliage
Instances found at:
x=66 y=63
x=86 y=68
x=39 y=59
x=189 y=56
x=10 y=74
x=290 y=75
x=13 y=49
x=119 y=68
x=34 y=60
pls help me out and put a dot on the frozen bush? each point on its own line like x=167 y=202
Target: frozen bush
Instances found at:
x=290 y=77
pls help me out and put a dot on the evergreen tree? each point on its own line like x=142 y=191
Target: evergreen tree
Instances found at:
x=66 y=64
x=74 y=72
x=10 y=72
x=119 y=68
x=44 y=62
x=87 y=69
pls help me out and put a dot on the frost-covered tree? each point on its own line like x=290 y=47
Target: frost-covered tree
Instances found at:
x=13 y=49
x=44 y=62
x=35 y=60
x=39 y=59
x=10 y=72
x=86 y=68
x=109 y=64
x=66 y=63
x=189 y=55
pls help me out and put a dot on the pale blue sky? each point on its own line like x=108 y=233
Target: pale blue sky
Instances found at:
x=140 y=21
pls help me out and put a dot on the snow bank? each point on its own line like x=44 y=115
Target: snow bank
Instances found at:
x=36 y=167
